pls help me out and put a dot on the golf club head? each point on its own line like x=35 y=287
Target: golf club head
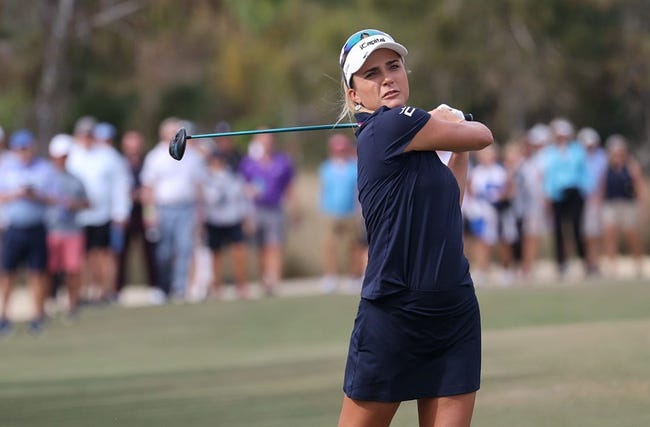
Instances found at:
x=177 y=144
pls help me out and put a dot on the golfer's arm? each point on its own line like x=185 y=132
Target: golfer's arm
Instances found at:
x=454 y=136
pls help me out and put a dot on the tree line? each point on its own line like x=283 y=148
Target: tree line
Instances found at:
x=274 y=62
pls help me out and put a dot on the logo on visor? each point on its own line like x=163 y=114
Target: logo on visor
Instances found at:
x=372 y=42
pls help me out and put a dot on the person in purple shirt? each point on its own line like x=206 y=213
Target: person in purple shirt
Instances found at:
x=269 y=175
x=25 y=193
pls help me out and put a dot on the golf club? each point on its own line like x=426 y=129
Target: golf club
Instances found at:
x=177 y=144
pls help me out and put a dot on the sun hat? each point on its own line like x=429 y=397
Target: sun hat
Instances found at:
x=360 y=45
x=60 y=145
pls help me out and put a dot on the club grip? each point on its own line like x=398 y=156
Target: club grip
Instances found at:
x=469 y=117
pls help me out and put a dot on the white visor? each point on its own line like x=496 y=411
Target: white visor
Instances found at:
x=359 y=47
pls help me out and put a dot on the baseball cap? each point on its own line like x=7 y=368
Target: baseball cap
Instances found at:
x=588 y=137
x=60 y=145
x=22 y=138
x=104 y=131
x=360 y=45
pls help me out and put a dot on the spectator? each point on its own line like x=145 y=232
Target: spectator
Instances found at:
x=269 y=176
x=592 y=216
x=133 y=149
x=65 y=237
x=495 y=225
x=25 y=192
x=565 y=183
x=530 y=192
x=3 y=155
x=104 y=176
x=625 y=203
x=227 y=208
x=338 y=194
x=172 y=191
x=226 y=146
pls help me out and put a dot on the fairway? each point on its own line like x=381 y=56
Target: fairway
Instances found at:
x=553 y=356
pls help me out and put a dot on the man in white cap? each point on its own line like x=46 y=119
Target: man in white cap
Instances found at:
x=65 y=236
x=105 y=177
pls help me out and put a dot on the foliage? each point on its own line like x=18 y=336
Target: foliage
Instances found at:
x=511 y=62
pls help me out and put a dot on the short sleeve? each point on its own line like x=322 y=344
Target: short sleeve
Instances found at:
x=398 y=126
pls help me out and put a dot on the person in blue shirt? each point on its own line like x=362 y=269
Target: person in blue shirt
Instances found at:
x=566 y=182
x=25 y=193
x=337 y=178
x=417 y=332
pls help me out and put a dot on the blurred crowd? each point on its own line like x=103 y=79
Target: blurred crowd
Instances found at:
x=70 y=221
x=554 y=182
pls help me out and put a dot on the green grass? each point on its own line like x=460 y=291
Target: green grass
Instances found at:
x=553 y=356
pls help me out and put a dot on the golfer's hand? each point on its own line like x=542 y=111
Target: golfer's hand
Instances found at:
x=447 y=113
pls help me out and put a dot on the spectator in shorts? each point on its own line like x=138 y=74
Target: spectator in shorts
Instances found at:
x=625 y=203
x=227 y=209
x=3 y=155
x=530 y=190
x=65 y=237
x=133 y=150
x=226 y=146
x=338 y=195
x=25 y=192
x=565 y=183
x=108 y=185
x=495 y=226
x=269 y=176
x=172 y=191
x=592 y=216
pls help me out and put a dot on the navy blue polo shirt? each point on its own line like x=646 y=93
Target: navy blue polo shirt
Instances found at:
x=410 y=204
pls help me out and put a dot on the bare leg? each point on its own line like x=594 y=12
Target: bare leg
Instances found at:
x=530 y=253
x=240 y=268
x=610 y=243
x=109 y=273
x=38 y=286
x=73 y=283
x=217 y=285
x=329 y=255
x=358 y=413
x=272 y=254
x=636 y=249
x=451 y=411
x=6 y=288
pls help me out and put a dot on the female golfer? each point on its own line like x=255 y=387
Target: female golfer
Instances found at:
x=417 y=331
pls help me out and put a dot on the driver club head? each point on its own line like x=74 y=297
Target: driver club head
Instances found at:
x=177 y=144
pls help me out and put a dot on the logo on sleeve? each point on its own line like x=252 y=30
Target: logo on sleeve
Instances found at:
x=407 y=111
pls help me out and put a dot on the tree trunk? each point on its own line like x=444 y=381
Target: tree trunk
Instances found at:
x=45 y=105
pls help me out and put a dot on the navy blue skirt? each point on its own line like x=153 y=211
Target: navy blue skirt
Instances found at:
x=415 y=344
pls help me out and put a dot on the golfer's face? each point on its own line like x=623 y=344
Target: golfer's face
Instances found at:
x=382 y=81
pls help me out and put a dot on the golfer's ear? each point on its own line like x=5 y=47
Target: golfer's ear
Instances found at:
x=352 y=95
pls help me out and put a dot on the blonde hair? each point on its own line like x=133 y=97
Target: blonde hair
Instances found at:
x=347 y=105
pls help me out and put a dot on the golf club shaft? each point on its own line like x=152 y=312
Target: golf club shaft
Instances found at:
x=332 y=126
x=274 y=130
